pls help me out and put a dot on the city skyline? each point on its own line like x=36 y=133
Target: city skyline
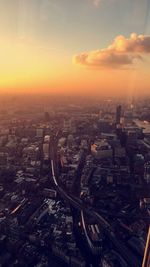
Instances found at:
x=75 y=47
x=74 y=183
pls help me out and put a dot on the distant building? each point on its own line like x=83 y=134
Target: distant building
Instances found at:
x=3 y=158
x=102 y=149
x=49 y=193
x=46 y=148
x=46 y=151
x=105 y=126
x=147 y=172
x=139 y=164
x=46 y=116
x=47 y=139
x=39 y=132
x=118 y=114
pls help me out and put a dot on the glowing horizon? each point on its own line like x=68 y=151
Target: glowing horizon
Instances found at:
x=39 y=39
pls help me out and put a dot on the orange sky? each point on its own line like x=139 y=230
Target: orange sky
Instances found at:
x=34 y=69
x=48 y=50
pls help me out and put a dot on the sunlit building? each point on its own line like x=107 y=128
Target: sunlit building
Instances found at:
x=101 y=149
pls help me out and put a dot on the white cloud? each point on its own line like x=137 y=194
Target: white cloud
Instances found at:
x=122 y=52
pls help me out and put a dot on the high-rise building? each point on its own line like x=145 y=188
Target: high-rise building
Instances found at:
x=46 y=116
x=118 y=114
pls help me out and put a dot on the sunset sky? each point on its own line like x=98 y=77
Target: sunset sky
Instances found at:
x=75 y=46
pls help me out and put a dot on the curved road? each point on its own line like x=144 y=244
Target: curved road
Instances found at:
x=120 y=247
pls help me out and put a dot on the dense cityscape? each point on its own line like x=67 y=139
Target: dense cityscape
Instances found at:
x=74 y=133
x=74 y=182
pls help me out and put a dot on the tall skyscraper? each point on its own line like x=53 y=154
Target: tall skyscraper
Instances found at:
x=118 y=114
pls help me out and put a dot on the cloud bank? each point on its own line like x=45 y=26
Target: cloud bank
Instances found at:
x=121 y=53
